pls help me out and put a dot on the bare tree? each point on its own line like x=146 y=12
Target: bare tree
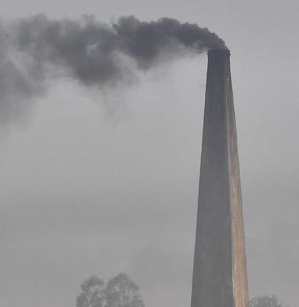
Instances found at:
x=120 y=291
x=93 y=293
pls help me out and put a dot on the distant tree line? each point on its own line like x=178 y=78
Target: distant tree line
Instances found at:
x=120 y=291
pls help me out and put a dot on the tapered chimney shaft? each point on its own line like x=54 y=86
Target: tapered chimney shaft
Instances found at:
x=219 y=273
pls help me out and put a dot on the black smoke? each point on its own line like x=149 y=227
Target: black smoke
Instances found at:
x=32 y=50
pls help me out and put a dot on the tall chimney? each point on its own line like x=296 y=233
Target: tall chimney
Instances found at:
x=219 y=273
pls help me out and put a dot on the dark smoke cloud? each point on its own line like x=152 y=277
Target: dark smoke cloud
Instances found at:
x=35 y=49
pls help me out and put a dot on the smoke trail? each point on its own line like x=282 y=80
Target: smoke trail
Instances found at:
x=96 y=54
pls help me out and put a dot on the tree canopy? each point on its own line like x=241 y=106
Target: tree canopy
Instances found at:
x=120 y=291
x=265 y=301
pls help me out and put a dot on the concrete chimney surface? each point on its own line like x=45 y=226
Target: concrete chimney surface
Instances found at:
x=219 y=273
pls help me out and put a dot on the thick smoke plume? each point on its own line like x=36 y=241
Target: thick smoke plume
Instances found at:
x=35 y=49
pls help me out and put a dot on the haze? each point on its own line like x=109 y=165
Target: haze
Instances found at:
x=100 y=183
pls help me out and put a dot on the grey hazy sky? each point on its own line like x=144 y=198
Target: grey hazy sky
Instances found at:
x=98 y=183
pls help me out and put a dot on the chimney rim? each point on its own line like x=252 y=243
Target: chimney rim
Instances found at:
x=218 y=52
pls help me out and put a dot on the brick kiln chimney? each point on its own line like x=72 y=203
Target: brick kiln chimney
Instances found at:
x=219 y=273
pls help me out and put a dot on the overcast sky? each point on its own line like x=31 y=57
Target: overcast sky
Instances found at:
x=100 y=183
